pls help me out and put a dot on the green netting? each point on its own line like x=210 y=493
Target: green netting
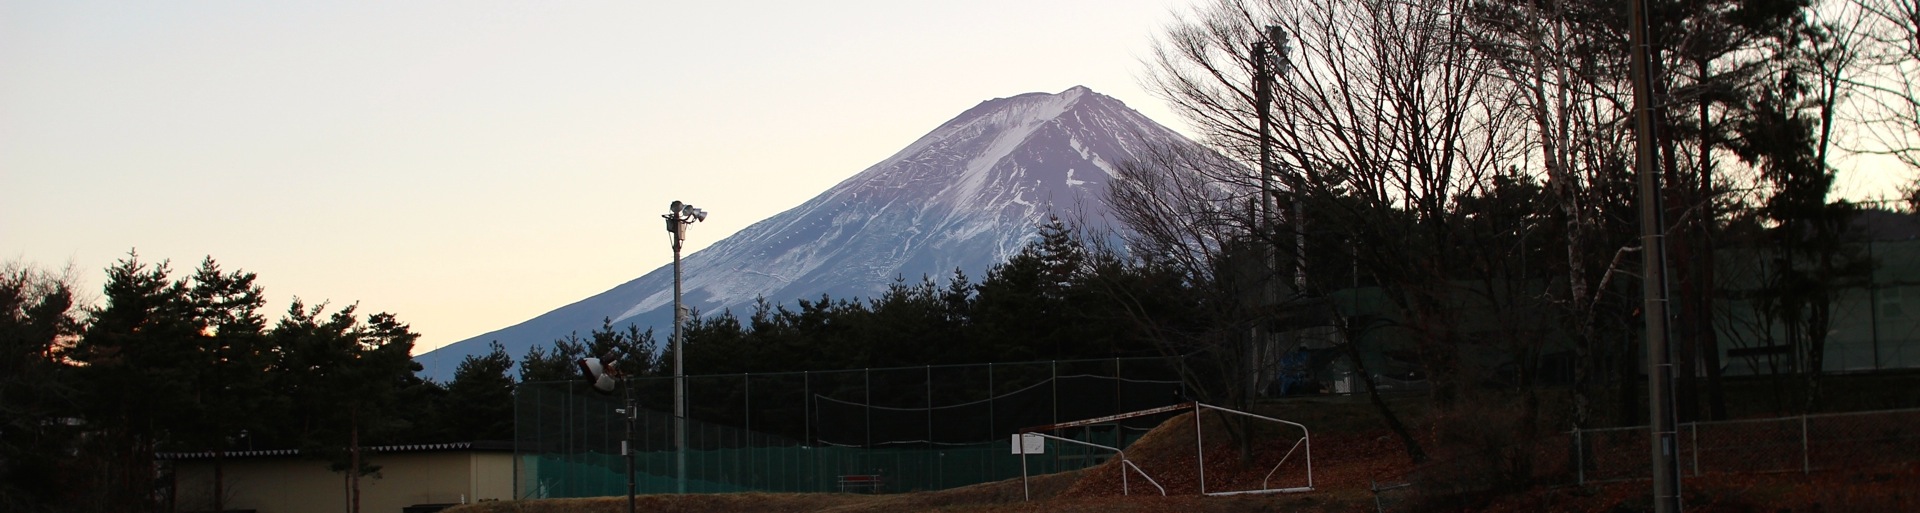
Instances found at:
x=922 y=428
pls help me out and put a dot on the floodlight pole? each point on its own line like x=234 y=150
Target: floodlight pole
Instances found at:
x=679 y=373
x=1272 y=62
x=1269 y=56
x=1263 y=103
x=678 y=216
x=1279 y=64
x=1261 y=56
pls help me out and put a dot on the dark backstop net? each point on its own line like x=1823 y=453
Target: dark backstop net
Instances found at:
x=898 y=429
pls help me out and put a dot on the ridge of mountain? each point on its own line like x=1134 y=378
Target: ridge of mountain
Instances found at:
x=967 y=195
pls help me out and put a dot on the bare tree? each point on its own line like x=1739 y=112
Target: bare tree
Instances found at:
x=1386 y=117
x=1197 y=276
x=1887 y=84
x=1575 y=99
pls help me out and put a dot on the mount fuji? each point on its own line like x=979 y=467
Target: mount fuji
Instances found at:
x=967 y=195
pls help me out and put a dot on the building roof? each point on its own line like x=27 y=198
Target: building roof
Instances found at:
x=480 y=446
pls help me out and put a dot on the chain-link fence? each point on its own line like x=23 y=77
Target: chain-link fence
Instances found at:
x=1788 y=444
x=898 y=429
x=1872 y=317
x=1799 y=444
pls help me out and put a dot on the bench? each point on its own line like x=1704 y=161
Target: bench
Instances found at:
x=872 y=483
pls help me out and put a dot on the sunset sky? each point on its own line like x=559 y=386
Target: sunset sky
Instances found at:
x=469 y=165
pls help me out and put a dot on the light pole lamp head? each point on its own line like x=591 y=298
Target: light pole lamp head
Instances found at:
x=1277 y=51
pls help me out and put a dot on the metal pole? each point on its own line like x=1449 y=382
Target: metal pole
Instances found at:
x=1806 y=453
x=1579 y=458
x=626 y=445
x=745 y=449
x=1693 y=428
x=1666 y=475
x=929 y=406
x=1200 y=448
x=679 y=375
x=1263 y=104
x=930 y=444
x=991 y=432
x=806 y=427
x=866 y=375
x=1020 y=446
x=1873 y=308
x=1263 y=100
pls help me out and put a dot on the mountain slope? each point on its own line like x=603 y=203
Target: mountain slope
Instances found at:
x=966 y=195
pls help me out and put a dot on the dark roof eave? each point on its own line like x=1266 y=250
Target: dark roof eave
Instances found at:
x=475 y=446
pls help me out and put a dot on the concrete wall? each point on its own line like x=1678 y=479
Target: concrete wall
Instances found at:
x=289 y=484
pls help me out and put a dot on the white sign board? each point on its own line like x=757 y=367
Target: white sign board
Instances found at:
x=1029 y=443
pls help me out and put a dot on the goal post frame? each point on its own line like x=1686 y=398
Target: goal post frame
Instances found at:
x=1304 y=445
x=1306 y=439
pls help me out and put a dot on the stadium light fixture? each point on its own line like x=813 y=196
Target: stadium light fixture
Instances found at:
x=678 y=216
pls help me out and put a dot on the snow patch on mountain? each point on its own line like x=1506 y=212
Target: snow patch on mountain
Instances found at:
x=967 y=195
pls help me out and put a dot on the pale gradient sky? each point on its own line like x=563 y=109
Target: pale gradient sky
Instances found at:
x=469 y=165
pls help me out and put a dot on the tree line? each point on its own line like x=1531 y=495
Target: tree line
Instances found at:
x=1040 y=304
x=190 y=363
x=89 y=394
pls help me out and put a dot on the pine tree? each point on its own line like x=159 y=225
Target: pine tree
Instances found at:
x=540 y=365
x=479 y=402
x=344 y=379
x=139 y=367
x=230 y=396
x=37 y=317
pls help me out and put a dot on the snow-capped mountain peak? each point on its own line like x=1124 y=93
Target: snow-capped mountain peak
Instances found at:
x=967 y=195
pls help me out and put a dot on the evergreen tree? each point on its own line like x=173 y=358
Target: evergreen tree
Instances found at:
x=230 y=396
x=479 y=401
x=139 y=364
x=37 y=318
x=561 y=364
x=344 y=379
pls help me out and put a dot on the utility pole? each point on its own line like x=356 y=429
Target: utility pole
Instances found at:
x=1263 y=103
x=678 y=217
x=1653 y=262
x=1263 y=225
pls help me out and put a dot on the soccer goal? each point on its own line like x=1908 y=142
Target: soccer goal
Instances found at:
x=1302 y=445
x=1033 y=441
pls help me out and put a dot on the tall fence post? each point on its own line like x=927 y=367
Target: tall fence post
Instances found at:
x=930 y=445
x=1806 y=453
x=1579 y=458
x=1873 y=308
x=1695 y=428
x=991 y=431
x=1055 y=366
x=806 y=430
x=744 y=452
x=867 y=388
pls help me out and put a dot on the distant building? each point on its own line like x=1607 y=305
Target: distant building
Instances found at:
x=284 y=482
